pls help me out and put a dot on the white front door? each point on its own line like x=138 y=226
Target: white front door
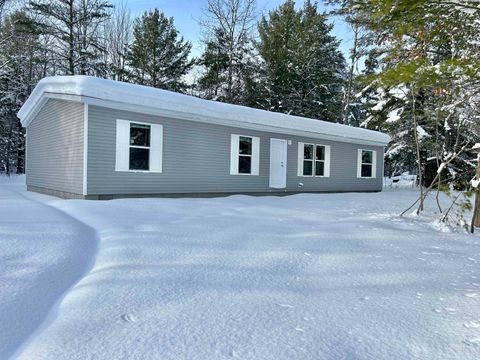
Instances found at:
x=278 y=163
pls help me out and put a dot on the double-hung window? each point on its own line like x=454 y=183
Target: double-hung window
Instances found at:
x=138 y=147
x=366 y=163
x=313 y=160
x=244 y=155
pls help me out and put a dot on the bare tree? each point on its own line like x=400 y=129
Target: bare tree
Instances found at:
x=118 y=37
x=354 y=57
x=234 y=21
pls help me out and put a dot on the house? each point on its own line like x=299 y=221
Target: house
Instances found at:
x=92 y=138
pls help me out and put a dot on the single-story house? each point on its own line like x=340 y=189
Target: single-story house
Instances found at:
x=93 y=138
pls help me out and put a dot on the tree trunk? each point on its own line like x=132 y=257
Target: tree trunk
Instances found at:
x=417 y=146
x=71 y=40
x=348 y=90
x=476 y=211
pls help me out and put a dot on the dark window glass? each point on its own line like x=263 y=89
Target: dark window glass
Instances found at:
x=308 y=168
x=366 y=170
x=319 y=168
x=139 y=159
x=320 y=152
x=244 y=165
x=367 y=157
x=139 y=135
x=308 y=152
x=245 y=145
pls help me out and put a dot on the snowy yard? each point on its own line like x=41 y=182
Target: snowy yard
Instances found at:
x=324 y=276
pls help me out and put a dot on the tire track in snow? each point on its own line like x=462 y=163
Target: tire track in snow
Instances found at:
x=89 y=239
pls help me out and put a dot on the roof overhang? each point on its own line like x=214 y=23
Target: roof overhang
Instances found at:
x=141 y=99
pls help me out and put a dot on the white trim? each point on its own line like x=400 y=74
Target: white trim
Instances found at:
x=300 y=155
x=360 y=163
x=85 y=149
x=122 y=148
x=284 y=161
x=235 y=154
x=255 y=169
x=234 y=150
x=156 y=148
x=374 y=164
x=122 y=155
x=326 y=161
x=143 y=99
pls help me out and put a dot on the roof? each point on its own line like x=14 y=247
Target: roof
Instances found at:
x=143 y=99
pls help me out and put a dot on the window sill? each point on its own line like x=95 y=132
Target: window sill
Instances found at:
x=139 y=171
x=366 y=177
x=313 y=176
x=244 y=175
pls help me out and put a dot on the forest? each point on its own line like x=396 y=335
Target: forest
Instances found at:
x=413 y=70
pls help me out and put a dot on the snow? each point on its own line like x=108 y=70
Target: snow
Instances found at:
x=422 y=134
x=476 y=146
x=379 y=106
x=39 y=261
x=475 y=183
x=400 y=92
x=309 y=276
x=395 y=150
x=170 y=104
x=394 y=115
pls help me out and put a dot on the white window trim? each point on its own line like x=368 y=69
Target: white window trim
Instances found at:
x=235 y=155
x=159 y=149
x=360 y=163
x=301 y=159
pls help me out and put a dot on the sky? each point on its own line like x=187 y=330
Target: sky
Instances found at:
x=187 y=13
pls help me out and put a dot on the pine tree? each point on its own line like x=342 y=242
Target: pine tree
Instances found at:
x=437 y=67
x=159 y=57
x=18 y=75
x=215 y=60
x=228 y=56
x=75 y=27
x=362 y=39
x=304 y=69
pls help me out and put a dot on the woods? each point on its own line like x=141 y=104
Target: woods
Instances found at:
x=409 y=72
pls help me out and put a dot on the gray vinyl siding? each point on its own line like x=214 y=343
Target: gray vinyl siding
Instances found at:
x=55 y=147
x=196 y=158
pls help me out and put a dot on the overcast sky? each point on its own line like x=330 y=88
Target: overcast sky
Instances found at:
x=186 y=14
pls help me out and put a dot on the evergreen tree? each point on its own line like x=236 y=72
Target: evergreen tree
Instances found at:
x=228 y=56
x=75 y=27
x=437 y=67
x=303 y=67
x=158 y=56
x=361 y=44
x=18 y=75
x=215 y=60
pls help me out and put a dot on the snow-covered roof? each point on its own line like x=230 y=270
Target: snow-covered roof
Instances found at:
x=143 y=99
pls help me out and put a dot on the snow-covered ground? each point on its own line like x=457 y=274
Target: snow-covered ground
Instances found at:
x=324 y=276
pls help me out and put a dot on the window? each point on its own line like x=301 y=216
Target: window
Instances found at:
x=320 y=160
x=244 y=155
x=366 y=163
x=314 y=160
x=139 y=147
